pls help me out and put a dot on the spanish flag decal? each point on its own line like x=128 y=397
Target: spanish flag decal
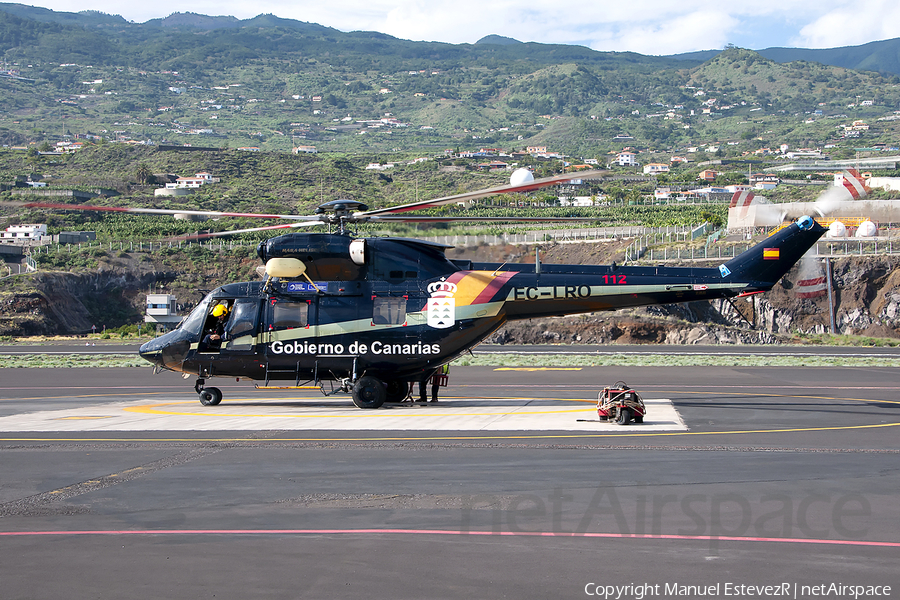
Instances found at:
x=770 y=254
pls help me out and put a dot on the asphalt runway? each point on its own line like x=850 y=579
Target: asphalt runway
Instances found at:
x=777 y=477
x=113 y=347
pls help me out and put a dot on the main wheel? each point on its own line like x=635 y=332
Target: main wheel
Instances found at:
x=396 y=391
x=369 y=392
x=625 y=416
x=210 y=396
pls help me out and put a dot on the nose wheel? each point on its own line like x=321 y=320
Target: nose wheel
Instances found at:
x=209 y=396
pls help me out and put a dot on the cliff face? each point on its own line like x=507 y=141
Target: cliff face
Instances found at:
x=114 y=291
x=58 y=303
x=866 y=296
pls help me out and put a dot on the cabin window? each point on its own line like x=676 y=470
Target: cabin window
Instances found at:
x=290 y=315
x=241 y=326
x=389 y=310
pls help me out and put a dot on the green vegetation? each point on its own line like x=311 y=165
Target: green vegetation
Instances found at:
x=226 y=87
x=71 y=361
x=275 y=83
x=290 y=184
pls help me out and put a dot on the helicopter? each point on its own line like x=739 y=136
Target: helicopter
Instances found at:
x=374 y=315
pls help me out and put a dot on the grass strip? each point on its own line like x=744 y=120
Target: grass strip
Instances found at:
x=669 y=360
x=68 y=361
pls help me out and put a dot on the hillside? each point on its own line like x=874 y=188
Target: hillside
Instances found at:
x=882 y=56
x=274 y=83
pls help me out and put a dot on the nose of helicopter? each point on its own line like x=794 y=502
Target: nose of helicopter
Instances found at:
x=152 y=352
x=167 y=351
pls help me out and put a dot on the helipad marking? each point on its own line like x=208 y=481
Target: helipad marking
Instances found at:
x=613 y=431
x=302 y=412
x=355 y=413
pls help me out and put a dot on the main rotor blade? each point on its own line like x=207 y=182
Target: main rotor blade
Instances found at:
x=504 y=189
x=415 y=219
x=202 y=236
x=156 y=211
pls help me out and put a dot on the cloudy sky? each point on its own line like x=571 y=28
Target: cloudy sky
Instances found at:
x=646 y=26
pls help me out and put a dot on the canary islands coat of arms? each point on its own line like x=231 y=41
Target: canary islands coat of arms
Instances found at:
x=441 y=308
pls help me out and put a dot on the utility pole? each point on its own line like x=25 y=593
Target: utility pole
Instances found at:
x=828 y=284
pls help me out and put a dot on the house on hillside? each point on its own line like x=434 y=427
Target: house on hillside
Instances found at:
x=708 y=175
x=194 y=182
x=183 y=186
x=655 y=168
x=626 y=159
x=493 y=165
x=764 y=181
x=23 y=234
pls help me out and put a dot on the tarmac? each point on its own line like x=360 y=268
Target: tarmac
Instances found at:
x=508 y=487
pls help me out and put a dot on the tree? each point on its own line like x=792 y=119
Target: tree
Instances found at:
x=33 y=157
x=712 y=218
x=144 y=174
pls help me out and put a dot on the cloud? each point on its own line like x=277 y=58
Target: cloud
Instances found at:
x=695 y=31
x=851 y=24
x=664 y=29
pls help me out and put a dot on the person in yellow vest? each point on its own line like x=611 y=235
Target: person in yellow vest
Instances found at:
x=439 y=379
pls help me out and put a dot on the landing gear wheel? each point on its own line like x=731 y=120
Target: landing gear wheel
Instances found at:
x=210 y=396
x=397 y=391
x=624 y=417
x=369 y=392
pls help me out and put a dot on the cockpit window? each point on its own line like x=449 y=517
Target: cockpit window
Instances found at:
x=194 y=321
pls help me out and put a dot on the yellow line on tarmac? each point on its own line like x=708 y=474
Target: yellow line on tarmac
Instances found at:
x=798 y=396
x=446 y=438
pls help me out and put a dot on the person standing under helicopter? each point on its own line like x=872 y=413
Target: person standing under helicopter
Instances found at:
x=438 y=379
